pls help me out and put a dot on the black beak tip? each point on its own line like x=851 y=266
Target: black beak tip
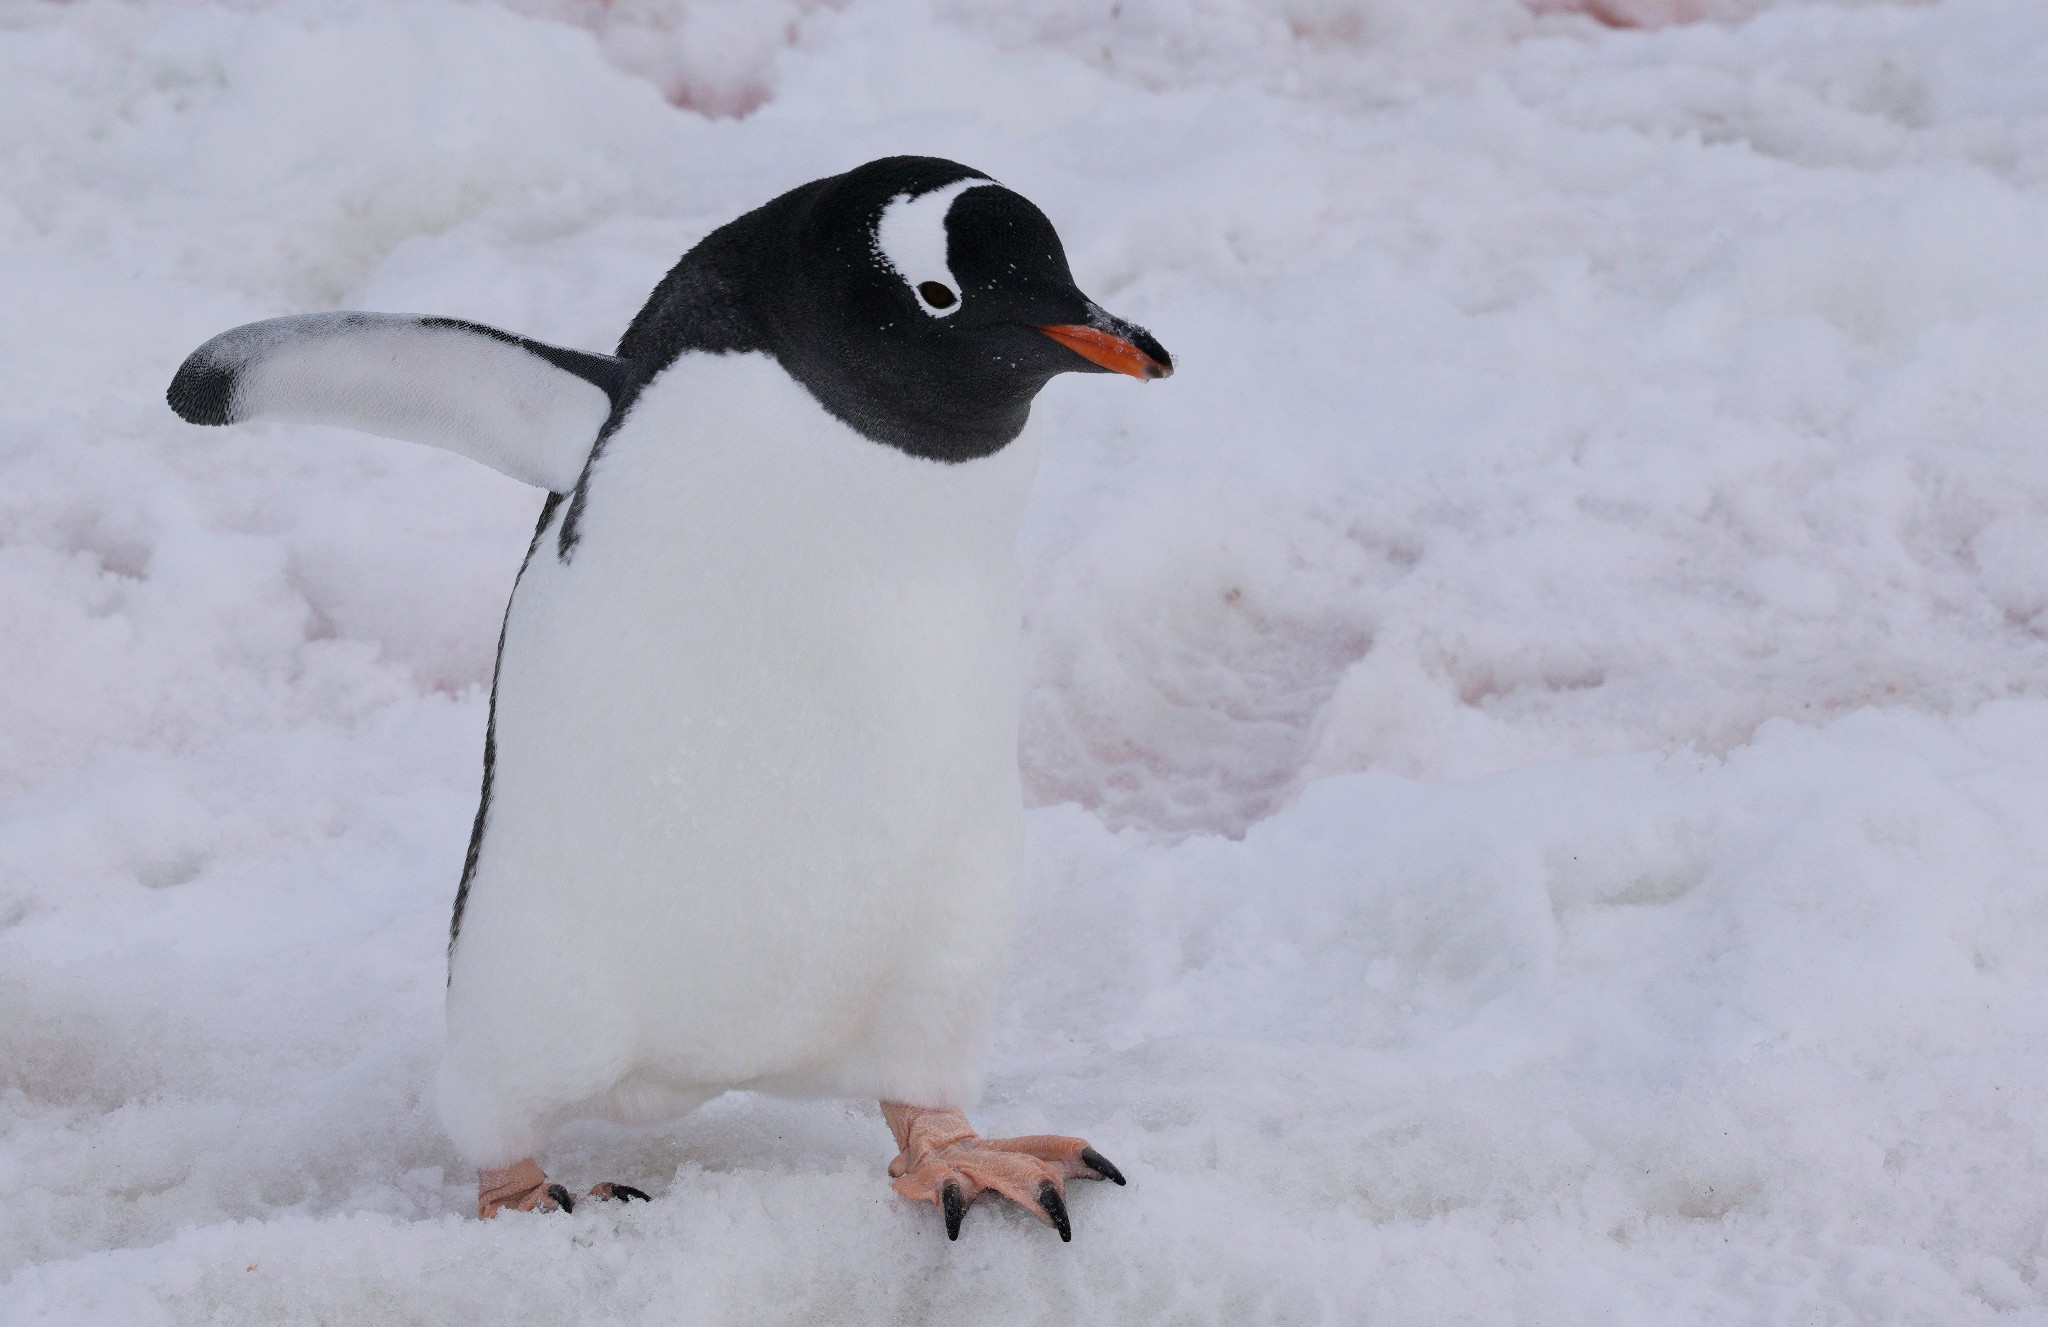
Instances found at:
x=1162 y=363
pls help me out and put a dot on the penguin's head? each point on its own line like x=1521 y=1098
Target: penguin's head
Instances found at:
x=926 y=305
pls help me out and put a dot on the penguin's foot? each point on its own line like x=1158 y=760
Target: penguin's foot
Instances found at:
x=944 y=1162
x=525 y=1188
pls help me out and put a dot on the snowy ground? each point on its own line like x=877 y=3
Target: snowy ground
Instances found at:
x=1539 y=732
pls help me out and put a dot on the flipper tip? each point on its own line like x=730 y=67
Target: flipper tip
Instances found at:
x=204 y=390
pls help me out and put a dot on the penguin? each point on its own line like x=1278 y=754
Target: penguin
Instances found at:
x=751 y=811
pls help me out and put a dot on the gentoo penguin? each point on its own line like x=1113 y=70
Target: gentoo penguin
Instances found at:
x=751 y=809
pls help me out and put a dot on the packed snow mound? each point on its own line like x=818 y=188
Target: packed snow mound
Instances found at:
x=1537 y=731
x=723 y=57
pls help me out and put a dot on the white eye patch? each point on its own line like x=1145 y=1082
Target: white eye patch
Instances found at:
x=911 y=238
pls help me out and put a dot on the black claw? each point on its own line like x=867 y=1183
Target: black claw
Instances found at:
x=1056 y=1208
x=626 y=1193
x=949 y=1197
x=1099 y=1163
x=561 y=1197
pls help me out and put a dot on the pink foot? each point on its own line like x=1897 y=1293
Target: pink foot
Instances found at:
x=525 y=1188
x=944 y=1162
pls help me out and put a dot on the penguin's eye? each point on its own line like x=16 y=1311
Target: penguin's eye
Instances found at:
x=911 y=240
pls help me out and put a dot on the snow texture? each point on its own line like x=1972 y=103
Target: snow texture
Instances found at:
x=1537 y=735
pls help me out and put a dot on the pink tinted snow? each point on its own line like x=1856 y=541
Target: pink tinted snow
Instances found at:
x=1536 y=733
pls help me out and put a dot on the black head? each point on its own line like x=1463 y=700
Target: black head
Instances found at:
x=919 y=301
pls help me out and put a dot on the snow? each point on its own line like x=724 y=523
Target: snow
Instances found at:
x=1537 y=733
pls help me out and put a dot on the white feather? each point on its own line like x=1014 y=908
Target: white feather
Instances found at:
x=911 y=237
x=757 y=808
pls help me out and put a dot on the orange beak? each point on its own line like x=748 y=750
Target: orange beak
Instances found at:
x=1112 y=352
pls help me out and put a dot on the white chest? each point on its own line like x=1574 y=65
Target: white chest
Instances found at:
x=756 y=738
x=757 y=586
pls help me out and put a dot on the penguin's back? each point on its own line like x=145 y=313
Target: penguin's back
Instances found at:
x=754 y=807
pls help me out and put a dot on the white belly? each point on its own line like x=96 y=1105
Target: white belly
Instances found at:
x=756 y=811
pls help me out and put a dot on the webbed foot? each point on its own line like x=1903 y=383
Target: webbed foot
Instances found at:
x=944 y=1162
x=525 y=1187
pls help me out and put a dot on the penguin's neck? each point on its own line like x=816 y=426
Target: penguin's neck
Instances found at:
x=952 y=420
x=732 y=442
